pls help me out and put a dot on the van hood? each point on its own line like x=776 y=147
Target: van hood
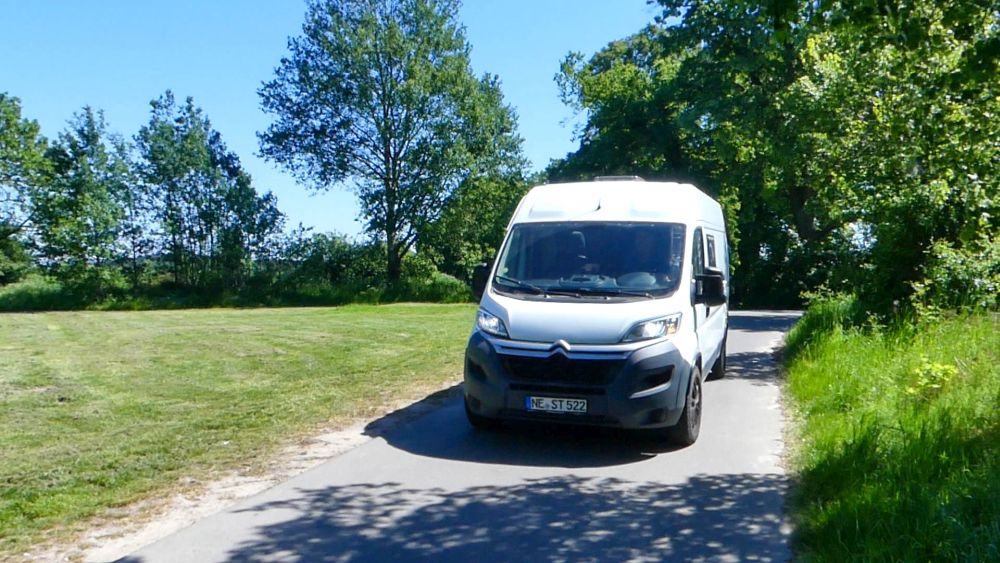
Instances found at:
x=588 y=321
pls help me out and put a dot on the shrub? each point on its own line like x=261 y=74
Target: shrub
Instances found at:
x=436 y=288
x=15 y=262
x=37 y=293
x=960 y=279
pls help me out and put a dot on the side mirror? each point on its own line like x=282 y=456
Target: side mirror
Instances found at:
x=710 y=288
x=480 y=275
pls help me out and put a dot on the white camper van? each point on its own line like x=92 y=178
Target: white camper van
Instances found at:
x=607 y=305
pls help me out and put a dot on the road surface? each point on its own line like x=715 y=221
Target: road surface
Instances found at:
x=435 y=489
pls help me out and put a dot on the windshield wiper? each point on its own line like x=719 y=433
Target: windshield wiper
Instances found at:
x=521 y=284
x=613 y=291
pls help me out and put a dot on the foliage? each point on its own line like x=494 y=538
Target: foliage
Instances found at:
x=319 y=269
x=78 y=215
x=213 y=221
x=472 y=224
x=929 y=378
x=960 y=279
x=330 y=269
x=435 y=288
x=22 y=167
x=900 y=451
x=380 y=93
x=15 y=261
x=842 y=139
x=36 y=293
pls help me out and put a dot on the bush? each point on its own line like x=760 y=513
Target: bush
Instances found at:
x=960 y=279
x=37 y=293
x=436 y=288
x=15 y=262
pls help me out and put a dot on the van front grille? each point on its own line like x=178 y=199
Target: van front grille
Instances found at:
x=557 y=368
x=558 y=388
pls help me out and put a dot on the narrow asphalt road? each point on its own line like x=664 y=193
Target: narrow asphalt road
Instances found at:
x=435 y=489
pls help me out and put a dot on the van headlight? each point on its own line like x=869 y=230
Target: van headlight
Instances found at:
x=655 y=328
x=490 y=324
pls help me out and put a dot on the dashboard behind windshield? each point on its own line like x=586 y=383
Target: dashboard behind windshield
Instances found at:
x=611 y=259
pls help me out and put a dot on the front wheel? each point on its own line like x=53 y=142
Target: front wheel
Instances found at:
x=685 y=432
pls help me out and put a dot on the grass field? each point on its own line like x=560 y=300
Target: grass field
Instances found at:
x=100 y=409
x=900 y=452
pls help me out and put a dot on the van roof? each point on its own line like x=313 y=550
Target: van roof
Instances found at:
x=618 y=201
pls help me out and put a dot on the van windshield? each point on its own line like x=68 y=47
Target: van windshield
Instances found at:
x=589 y=258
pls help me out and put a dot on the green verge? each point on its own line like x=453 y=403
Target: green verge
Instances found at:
x=100 y=409
x=899 y=458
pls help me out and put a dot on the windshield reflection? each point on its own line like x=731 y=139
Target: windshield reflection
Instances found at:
x=581 y=259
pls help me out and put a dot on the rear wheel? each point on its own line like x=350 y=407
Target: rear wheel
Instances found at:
x=685 y=432
x=480 y=422
x=718 y=370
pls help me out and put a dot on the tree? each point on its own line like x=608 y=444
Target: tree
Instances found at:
x=23 y=168
x=473 y=222
x=175 y=166
x=844 y=139
x=921 y=84
x=212 y=219
x=380 y=94
x=247 y=221
x=78 y=216
x=626 y=92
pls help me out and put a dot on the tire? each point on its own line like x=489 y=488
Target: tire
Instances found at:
x=685 y=432
x=718 y=370
x=480 y=422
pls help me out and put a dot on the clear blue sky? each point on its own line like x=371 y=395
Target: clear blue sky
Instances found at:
x=117 y=55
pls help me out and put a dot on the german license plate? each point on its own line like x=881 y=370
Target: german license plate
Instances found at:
x=552 y=404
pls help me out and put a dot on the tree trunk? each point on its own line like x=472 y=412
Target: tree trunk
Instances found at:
x=394 y=266
x=798 y=199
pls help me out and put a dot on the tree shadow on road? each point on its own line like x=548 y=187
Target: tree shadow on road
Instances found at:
x=551 y=519
x=760 y=368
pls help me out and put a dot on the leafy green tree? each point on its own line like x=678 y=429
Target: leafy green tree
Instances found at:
x=247 y=221
x=14 y=260
x=212 y=220
x=380 y=94
x=472 y=224
x=174 y=164
x=23 y=168
x=78 y=216
x=625 y=91
x=843 y=138
x=136 y=237
x=918 y=82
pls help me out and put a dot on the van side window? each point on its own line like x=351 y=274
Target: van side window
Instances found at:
x=697 y=253
x=710 y=244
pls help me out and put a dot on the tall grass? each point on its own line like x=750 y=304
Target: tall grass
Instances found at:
x=900 y=451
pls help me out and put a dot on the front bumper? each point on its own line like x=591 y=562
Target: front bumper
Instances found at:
x=624 y=387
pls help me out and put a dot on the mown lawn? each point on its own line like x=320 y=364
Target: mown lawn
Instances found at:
x=100 y=409
x=900 y=451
